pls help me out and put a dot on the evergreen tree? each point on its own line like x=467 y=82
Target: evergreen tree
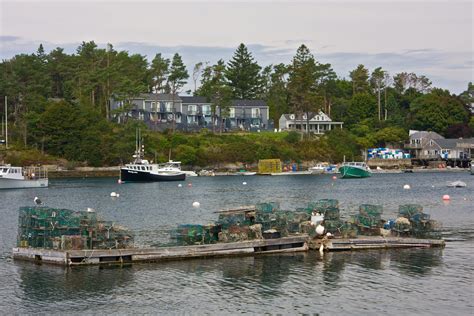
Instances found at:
x=216 y=88
x=302 y=83
x=360 y=79
x=176 y=80
x=159 y=71
x=243 y=74
x=277 y=96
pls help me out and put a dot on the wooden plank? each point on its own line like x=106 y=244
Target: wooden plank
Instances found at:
x=245 y=208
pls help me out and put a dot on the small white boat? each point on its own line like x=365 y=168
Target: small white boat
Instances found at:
x=319 y=168
x=21 y=178
x=457 y=184
x=190 y=173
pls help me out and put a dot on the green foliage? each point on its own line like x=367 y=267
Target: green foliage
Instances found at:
x=243 y=74
x=360 y=79
x=437 y=111
x=292 y=137
x=363 y=106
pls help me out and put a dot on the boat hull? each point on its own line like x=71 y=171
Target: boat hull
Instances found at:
x=349 y=172
x=139 y=176
x=23 y=184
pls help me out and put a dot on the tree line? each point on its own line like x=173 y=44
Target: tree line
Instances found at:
x=59 y=102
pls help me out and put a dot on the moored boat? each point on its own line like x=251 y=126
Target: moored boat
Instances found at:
x=354 y=170
x=21 y=178
x=318 y=168
x=141 y=170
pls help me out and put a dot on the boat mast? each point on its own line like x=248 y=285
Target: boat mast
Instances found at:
x=6 y=122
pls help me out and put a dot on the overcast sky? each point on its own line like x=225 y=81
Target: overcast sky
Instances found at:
x=433 y=38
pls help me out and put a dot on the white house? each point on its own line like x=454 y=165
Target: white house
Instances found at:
x=319 y=123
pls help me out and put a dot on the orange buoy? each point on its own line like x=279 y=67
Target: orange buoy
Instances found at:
x=446 y=197
x=334 y=177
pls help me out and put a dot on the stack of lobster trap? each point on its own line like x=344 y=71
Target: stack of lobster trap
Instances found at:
x=62 y=229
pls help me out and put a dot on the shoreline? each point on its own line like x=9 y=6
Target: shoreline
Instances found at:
x=111 y=172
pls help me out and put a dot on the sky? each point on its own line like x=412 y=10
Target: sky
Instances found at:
x=431 y=38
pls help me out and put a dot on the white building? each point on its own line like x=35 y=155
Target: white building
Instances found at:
x=319 y=123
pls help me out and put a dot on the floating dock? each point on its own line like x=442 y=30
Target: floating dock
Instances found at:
x=251 y=247
x=374 y=242
x=120 y=256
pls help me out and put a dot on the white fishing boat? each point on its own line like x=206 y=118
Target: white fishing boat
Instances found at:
x=141 y=170
x=21 y=178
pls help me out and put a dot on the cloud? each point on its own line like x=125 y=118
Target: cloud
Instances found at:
x=8 y=38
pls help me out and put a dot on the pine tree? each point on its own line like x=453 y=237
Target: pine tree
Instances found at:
x=302 y=83
x=216 y=88
x=360 y=79
x=243 y=74
x=176 y=79
x=159 y=71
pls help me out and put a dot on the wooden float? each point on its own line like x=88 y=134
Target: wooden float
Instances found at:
x=374 y=242
x=251 y=247
x=119 y=256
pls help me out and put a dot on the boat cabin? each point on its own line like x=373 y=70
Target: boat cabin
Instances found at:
x=356 y=164
x=11 y=172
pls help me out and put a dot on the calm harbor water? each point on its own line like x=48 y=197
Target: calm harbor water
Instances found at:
x=411 y=281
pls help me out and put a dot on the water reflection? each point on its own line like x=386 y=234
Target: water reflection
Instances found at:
x=48 y=284
x=417 y=262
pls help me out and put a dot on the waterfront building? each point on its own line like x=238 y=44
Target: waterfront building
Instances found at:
x=191 y=113
x=430 y=146
x=319 y=123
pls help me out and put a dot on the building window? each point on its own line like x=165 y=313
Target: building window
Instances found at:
x=192 y=109
x=168 y=107
x=232 y=112
x=255 y=112
x=206 y=110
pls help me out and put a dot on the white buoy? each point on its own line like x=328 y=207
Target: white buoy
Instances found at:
x=432 y=186
x=119 y=181
x=319 y=229
x=113 y=194
x=117 y=195
x=406 y=187
x=180 y=185
x=90 y=210
x=244 y=183
x=196 y=204
x=446 y=197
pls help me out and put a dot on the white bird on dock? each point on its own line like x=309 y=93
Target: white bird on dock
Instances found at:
x=37 y=201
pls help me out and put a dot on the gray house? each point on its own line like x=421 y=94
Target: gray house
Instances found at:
x=422 y=145
x=430 y=146
x=191 y=113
